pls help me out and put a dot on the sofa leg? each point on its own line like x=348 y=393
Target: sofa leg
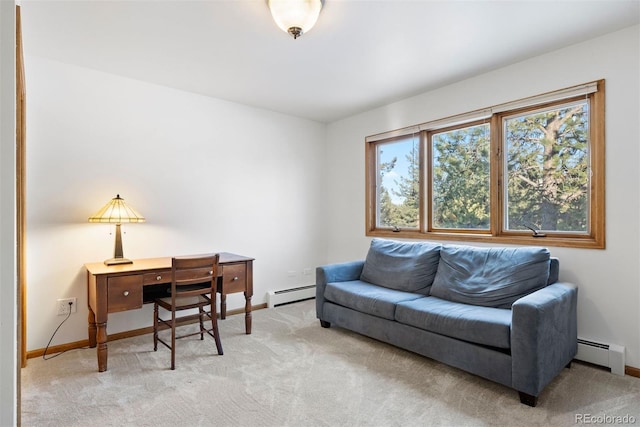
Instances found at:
x=325 y=324
x=528 y=399
x=568 y=365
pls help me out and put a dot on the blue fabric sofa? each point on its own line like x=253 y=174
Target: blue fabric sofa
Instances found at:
x=499 y=313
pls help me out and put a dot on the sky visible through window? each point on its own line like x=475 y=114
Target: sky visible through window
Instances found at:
x=386 y=153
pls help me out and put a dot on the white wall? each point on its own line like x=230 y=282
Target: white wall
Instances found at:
x=8 y=307
x=208 y=175
x=608 y=280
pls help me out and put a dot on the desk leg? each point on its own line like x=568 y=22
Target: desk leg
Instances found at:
x=97 y=289
x=247 y=313
x=223 y=306
x=92 y=328
x=102 y=346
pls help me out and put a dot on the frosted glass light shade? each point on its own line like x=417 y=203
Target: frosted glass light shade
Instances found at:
x=295 y=17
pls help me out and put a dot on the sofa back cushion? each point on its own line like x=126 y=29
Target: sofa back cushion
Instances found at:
x=490 y=277
x=404 y=266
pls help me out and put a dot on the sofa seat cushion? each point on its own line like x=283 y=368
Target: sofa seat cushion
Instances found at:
x=404 y=266
x=367 y=298
x=481 y=325
x=490 y=277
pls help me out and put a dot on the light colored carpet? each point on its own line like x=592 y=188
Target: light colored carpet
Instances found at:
x=292 y=372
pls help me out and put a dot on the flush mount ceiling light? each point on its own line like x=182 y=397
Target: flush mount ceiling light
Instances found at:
x=295 y=17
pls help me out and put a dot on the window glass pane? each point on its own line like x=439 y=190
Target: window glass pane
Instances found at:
x=461 y=178
x=398 y=183
x=548 y=169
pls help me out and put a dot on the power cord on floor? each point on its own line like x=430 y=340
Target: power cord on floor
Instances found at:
x=54 y=334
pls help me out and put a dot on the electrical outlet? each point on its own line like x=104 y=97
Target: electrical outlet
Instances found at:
x=63 y=305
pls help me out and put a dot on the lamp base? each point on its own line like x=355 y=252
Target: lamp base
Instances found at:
x=116 y=261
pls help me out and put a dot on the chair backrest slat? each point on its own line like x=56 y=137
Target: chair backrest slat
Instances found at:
x=190 y=272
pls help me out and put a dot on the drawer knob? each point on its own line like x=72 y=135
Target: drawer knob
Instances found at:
x=125 y=293
x=235 y=278
x=210 y=272
x=158 y=277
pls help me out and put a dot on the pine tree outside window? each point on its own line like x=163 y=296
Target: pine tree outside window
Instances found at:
x=547 y=169
x=460 y=178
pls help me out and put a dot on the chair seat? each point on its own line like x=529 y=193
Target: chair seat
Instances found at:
x=190 y=300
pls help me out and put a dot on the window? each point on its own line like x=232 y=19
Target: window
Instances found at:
x=460 y=178
x=547 y=168
x=398 y=183
x=526 y=172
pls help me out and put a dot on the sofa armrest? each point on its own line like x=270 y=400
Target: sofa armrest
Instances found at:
x=544 y=336
x=342 y=272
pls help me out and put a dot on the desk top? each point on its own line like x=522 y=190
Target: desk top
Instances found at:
x=145 y=264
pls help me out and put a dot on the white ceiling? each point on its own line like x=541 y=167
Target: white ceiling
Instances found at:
x=360 y=55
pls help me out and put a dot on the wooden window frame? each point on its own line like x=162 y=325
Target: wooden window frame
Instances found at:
x=593 y=239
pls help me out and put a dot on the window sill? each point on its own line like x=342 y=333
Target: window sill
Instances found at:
x=524 y=240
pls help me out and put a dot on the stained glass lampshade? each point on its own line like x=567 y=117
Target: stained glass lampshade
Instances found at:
x=116 y=212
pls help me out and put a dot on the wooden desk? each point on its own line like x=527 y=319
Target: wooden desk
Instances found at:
x=128 y=286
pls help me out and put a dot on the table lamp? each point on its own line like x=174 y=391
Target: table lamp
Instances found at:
x=117 y=212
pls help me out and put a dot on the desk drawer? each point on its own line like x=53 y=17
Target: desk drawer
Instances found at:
x=165 y=276
x=234 y=278
x=157 y=277
x=124 y=293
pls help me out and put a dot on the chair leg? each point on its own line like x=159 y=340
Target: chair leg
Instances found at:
x=214 y=325
x=155 y=327
x=173 y=340
x=201 y=310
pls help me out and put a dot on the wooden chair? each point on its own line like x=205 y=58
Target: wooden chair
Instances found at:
x=193 y=285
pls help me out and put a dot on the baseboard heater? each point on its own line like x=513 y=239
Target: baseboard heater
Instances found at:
x=286 y=296
x=608 y=355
